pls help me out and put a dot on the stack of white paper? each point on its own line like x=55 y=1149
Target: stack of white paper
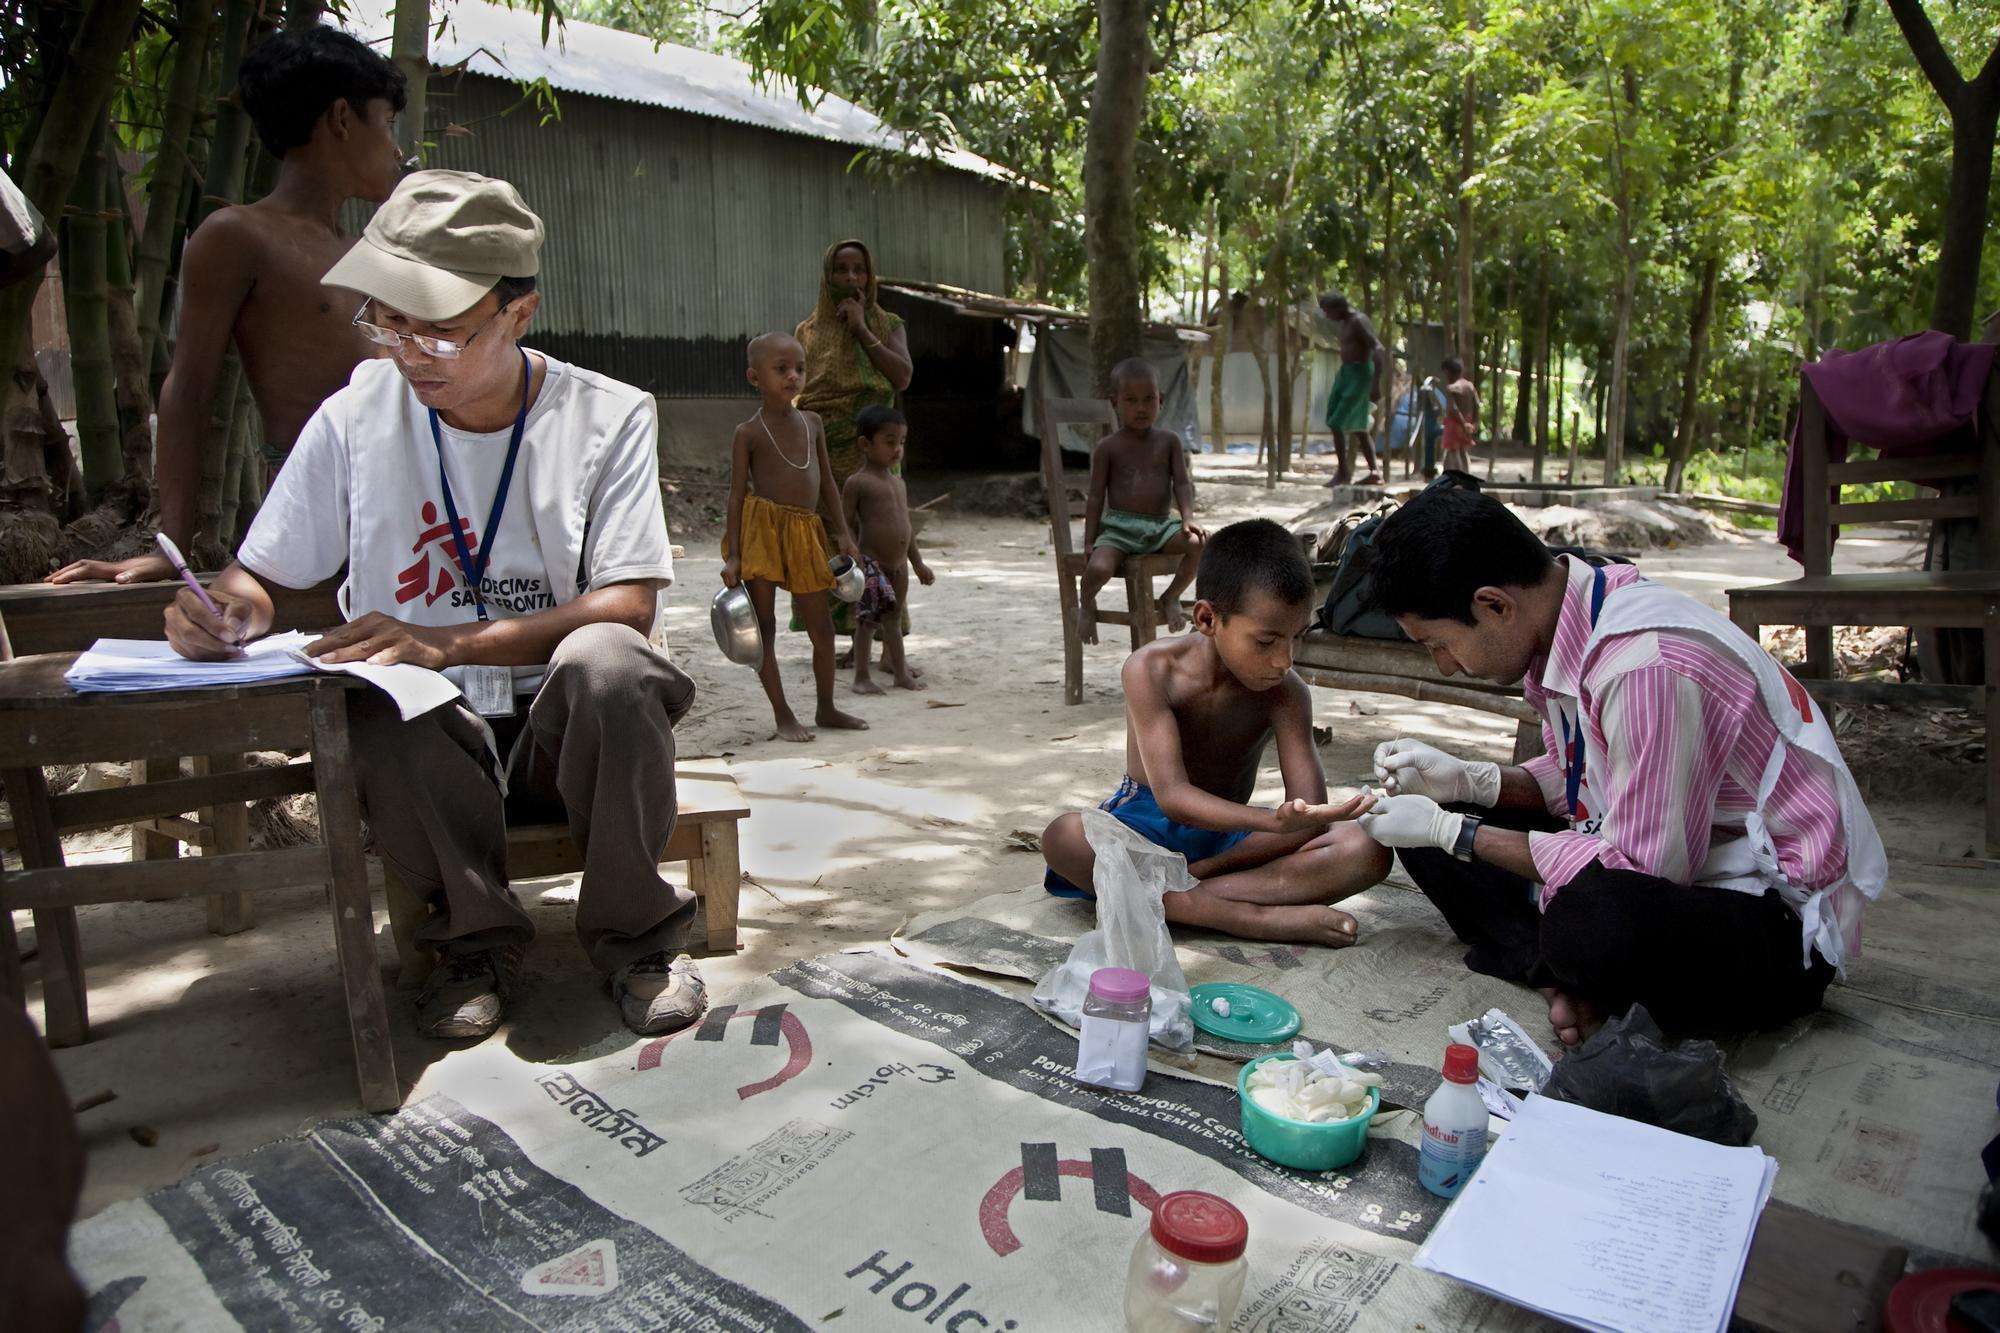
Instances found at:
x=122 y=665
x=1606 y=1223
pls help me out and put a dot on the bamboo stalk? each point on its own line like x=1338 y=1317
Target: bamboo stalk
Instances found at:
x=128 y=354
x=85 y=307
x=214 y=461
x=171 y=168
x=229 y=502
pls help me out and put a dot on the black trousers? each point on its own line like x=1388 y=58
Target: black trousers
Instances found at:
x=1702 y=960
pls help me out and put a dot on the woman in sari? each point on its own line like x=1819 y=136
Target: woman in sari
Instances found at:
x=857 y=354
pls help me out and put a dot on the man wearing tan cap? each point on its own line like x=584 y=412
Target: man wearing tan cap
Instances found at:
x=499 y=516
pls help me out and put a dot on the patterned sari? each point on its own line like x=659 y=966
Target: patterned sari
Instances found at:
x=840 y=379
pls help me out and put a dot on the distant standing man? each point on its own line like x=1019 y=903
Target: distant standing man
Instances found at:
x=1350 y=407
x=325 y=106
x=1461 y=416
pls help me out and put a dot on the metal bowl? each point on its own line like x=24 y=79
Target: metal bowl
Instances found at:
x=734 y=621
x=848 y=580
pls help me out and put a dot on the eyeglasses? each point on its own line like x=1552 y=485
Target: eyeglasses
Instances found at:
x=445 y=349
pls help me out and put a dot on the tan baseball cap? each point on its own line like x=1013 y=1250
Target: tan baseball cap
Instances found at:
x=441 y=242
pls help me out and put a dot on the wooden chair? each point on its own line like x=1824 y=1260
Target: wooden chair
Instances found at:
x=43 y=722
x=705 y=836
x=1949 y=599
x=1140 y=615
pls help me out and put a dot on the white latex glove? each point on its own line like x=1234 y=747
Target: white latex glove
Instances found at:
x=1412 y=821
x=1413 y=768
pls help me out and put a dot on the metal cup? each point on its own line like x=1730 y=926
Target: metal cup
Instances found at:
x=848 y=580
x=734 y=621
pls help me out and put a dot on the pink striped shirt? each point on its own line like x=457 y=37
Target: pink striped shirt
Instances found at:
x=1678 y=743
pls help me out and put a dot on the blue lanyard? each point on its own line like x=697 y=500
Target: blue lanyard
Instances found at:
x=474 y=571
x=1573 y=751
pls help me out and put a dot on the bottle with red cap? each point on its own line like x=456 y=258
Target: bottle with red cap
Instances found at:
x=1187 y=1269
x=1454 y=1126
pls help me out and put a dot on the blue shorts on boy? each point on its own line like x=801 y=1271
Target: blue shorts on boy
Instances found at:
x=1133 y=806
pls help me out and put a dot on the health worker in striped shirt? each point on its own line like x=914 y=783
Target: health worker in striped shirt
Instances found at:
x=1690 y=839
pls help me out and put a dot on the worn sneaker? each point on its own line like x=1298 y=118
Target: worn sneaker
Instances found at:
x=464 y=995
x=656 y=995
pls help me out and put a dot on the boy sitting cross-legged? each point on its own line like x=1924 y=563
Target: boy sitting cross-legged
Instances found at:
x=1199 y=711
x=781 y=496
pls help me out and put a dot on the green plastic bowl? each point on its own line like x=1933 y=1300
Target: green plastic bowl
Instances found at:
x=1299 y=1143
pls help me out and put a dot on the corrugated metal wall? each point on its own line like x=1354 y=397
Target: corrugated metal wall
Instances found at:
x=673 y=238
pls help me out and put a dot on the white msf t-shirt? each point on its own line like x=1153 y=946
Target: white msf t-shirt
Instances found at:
x=360 y=489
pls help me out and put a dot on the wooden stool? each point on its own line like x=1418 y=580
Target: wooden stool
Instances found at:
x=704 y=836
x=43 y=722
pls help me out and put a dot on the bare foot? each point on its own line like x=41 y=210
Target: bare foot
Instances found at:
x=1308 y=923
x=907 y=680
x=790 y=729
x=1089 y=624
x=829 y=716
x=1574 y=1020
x=1170 y=612
x=866 y=685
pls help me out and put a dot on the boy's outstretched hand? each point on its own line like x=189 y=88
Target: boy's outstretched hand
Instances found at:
x=1298 y=814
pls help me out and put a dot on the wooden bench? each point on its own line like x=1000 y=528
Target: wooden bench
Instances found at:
x=1943 y=599
x=1398 y=666
x=704 y=836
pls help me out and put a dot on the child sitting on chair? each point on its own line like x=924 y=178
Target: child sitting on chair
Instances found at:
x=1134 y=472
x=780 y=483
x=877 y=506
x=1200 y=710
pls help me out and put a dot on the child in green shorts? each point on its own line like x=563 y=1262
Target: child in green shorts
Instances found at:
x=1134 y=473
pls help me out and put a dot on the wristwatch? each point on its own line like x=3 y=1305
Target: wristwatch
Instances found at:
x=1461 y=849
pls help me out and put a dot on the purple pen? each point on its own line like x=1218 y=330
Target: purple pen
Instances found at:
x=174 y=558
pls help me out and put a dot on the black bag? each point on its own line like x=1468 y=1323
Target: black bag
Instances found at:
x=1346 y=611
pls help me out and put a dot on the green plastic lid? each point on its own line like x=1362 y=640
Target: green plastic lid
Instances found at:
x=1255 y=1015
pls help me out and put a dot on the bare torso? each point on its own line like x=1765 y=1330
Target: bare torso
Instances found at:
x=1224 y=728
x=784 y=458
x=295 y=338
x=1139 y=470
x=1357 y=338
x=882 y=504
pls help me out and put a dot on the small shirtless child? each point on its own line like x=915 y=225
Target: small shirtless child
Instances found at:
x=780 y=485
x=1199 y=711
x=1461 y=416
x=877 y=507
x=1135 y=473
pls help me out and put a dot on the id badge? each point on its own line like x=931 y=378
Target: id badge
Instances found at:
x=489 y=690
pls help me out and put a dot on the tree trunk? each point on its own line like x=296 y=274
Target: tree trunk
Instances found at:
x=1621 y=337
x=1599 y=390
x=1223 y=332
x=128 y=356
x=1385 y=326
x=409 y=48
x=1974 y=109
x=1281 y=351
x=1111 y=229
x=1698 y=322
x=1467 y=109
x=211 y=543
x=170 y=168
x=1524 y=387
x=228 y=150
x=230 y=489
x=84 y=249
x=1542 y=380
x=47 y=171
x=1267 y=444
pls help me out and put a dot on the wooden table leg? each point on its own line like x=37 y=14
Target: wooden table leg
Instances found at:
x=13 y=984
x=66 y=1010
x=1139 y=601
x=720 y=872
x=149 y=844
x=347 y=893
x=228 y=913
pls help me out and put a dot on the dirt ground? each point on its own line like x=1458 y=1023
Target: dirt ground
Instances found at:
x=219 y=1045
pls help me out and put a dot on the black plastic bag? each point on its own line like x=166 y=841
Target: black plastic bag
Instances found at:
x=1628 y=1069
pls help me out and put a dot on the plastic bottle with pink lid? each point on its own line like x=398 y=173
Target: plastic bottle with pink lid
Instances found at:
x=1187 y=1269
x=1117 y=1023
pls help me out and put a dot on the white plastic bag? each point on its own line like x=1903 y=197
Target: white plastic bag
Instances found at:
x=1132 y=877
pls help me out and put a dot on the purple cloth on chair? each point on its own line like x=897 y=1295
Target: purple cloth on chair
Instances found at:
x=1905 y=397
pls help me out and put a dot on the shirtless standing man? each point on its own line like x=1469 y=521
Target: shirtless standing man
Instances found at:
x=1350 y=406
x=325 y=106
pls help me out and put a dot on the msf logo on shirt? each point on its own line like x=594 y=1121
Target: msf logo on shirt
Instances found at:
x=418 y=581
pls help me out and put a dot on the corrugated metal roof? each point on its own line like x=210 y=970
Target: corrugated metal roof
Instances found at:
x=625 y=67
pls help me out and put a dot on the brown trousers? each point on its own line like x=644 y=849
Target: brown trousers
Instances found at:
x=596 y=746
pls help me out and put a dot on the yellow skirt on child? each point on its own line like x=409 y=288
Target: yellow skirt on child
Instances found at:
x=785 y=545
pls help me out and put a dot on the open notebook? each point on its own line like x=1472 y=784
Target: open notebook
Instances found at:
x=134 y=665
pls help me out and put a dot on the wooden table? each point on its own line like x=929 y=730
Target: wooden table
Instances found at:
x=43 y=722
